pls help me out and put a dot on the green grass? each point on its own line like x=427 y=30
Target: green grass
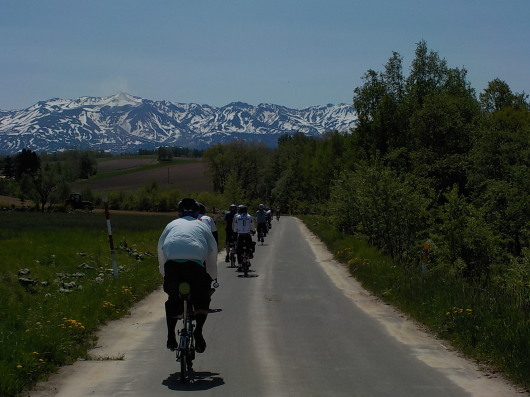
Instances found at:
x=50 y=319
x=487 y=323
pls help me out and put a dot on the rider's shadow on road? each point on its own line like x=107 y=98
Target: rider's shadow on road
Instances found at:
x=199 y=381
x=249 y=275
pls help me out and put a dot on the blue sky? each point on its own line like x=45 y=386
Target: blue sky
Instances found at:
x=295 y=53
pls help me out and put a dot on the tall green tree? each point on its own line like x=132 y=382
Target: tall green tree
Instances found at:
x=498 y=95
x=27 y=162
x=241 y=165
x=388 y=209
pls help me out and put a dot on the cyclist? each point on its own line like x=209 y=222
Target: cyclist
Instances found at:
x=187 y=251
x=243 y=225
x=261 y=219
x=230 y=235
x=209 y=221
x=269 y=218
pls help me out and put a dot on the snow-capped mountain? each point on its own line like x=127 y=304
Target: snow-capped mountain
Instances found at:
x=125 y=123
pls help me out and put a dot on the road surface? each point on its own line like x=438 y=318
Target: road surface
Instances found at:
x=298 y=326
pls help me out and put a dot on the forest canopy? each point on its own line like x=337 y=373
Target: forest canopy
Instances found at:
x=429 y=160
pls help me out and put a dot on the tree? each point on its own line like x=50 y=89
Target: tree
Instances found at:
x=389 y=210
x=87 y=165
x=165 y=153
x=244 y=164
x=27 y=162
x=43 y=185
x=9 y=167
x=427 y=73
x=498 y=95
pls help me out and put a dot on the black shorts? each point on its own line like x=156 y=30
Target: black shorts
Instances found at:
x=195 y=275
x=262 y=227
x=230 y=237
x=245 y=240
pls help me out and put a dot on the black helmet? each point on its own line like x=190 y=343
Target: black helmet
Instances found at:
x=202 y=209
x=188 y=207
x=242 y=209
x=233 y=208
x=261 y=206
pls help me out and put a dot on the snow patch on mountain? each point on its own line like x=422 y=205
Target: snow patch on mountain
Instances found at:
x=126 y=123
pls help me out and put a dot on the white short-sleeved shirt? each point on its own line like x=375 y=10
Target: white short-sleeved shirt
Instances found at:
x=188 y=239
x=243 y=224
x=209 y=221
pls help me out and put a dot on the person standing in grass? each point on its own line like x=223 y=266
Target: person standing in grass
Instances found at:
x=187 y=251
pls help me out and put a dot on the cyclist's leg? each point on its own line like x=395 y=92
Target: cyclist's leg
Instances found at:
x=238 y=248
x=227 y=245
x=250 y=246
x=173 y=305
x=201 y=302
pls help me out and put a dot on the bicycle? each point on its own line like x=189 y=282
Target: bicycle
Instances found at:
x=232 y=254
x=245 y=259
x=186 y=347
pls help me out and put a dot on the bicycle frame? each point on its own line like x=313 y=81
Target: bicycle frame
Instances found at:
x=245 y=260
x=232 y=254
x=186 y=349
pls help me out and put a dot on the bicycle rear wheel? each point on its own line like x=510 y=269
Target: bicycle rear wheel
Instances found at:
x=184 y=366
x=245 y=266
x=232 y=259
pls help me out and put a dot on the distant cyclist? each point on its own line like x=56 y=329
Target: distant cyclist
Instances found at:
x=277 y=213
x=230 y=234
x=187 y=251
x=209 y=221
x=261 y=220
x=243 y=225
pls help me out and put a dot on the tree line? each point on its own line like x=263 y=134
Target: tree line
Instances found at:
x=45 y=179
x=429 y=162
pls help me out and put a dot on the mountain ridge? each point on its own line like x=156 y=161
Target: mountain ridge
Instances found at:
x=125 y=123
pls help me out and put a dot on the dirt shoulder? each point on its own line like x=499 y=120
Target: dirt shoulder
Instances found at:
x=12 y=201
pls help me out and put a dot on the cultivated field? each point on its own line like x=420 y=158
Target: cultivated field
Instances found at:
x=128 y=174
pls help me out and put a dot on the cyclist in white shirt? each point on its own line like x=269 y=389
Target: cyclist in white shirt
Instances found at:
x=187 y=251
x=209 y=221
x=243 y=225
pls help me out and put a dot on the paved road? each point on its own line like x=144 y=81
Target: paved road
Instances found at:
x=297 y=326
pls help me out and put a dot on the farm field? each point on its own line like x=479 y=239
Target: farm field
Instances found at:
x=131 y=173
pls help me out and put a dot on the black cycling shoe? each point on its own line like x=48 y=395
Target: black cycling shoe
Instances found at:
x=200 y=343
x=172 y=344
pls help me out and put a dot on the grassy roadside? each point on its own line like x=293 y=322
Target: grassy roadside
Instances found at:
x=57 y=286
x=489 y=326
